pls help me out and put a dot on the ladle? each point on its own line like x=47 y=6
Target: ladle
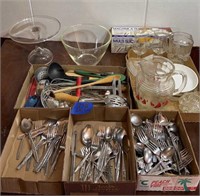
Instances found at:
x=26 y=125
x=56 y=71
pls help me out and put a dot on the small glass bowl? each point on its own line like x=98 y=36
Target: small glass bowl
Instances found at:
x=190 y=102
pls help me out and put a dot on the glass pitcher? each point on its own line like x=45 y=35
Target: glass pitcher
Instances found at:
x=155 y=84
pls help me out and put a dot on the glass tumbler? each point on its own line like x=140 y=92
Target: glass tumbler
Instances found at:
x=142 y=41
x=180 y=46
x=160 y=42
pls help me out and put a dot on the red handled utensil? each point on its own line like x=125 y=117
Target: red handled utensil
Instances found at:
x=78 y=83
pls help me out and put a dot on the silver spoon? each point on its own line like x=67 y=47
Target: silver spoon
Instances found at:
x=139 y=147
x=26 y=125
x=172 y=128
x=86 y=138
x=87 y=135
x=148 y=156
x=108 y=135
x=161 y=119
x=136 y=120
x=165 y=156
x=120 y=135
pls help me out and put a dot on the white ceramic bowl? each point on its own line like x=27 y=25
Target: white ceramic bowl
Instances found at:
x=192 y=78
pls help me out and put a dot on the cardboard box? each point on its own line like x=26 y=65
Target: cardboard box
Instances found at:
x=22 y=182
x=21 y=99
x=99 y=116
x=28 y=182
x=170 y=183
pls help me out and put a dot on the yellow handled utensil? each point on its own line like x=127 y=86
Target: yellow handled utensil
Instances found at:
x=66 y=97
x=105 y=80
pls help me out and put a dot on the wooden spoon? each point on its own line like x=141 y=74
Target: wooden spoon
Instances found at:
x=100 y=81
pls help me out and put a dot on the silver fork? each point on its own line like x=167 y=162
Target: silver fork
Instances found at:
x=175 y=141
x=144 y=139
x=48 y=154
x=162 y=144
x=58 y=150
x=30 y=153
x=186 y=158
x=184 y=153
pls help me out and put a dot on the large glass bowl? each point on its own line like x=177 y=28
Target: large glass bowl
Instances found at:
x=86 y=44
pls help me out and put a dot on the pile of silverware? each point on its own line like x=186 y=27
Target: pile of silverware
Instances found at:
x=46 y=140
x=158 y=146
x=103 y=156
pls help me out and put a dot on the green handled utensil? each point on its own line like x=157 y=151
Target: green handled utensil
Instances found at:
x=98 y=75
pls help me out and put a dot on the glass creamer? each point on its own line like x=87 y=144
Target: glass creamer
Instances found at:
x=155 y=84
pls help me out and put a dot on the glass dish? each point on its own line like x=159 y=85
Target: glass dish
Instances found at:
x=35 y=30
x=190 y=102
x=86 y=44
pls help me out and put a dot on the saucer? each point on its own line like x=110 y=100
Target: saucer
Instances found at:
x=192 y=78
